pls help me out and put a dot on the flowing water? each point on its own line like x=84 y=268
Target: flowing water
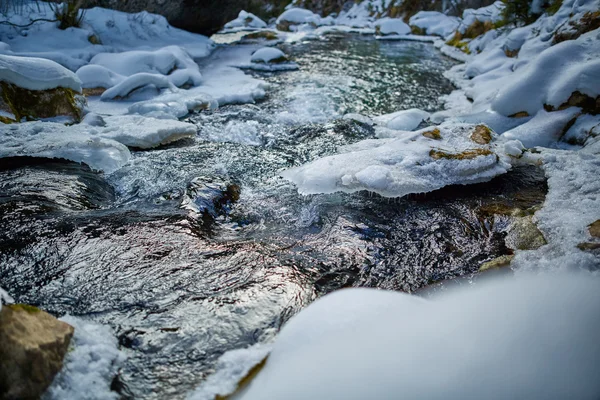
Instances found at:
x=200 y=247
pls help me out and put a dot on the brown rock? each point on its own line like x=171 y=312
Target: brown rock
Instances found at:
x=594 y=229
x=36 y=104
x=499 y=262
x=434 y=134
x=520 y=114
x=465 y=155
x=32 y=347
x=481 y=135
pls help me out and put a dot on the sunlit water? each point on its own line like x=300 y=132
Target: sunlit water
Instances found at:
x=184 y=273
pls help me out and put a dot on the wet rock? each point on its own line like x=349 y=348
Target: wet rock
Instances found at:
x=266 y=35
x=37 y=104
x=499 y=262
x=32 y=347
x=523 y=234
x=210 y=197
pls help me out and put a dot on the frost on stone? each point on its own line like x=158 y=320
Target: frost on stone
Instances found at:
x=537 y=332
x=36 y=74
x=408 y=162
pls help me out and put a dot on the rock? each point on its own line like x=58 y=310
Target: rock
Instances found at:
x=499 y=262
x=209 y=197
x=434 y=134
x=523 y=234
x=32 y=347
x=269 y=55
x=266 y=35
x=481 y=135
x=594 y=229
x=37 y=104
x=465 y=155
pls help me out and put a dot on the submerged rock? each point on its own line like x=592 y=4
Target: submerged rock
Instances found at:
x=524 y=234
x=32 y=347
x=209 y=197
x=499 y=262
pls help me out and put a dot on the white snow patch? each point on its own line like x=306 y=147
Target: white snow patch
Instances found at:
x=392 y=26
x=90 y=366
x=405 y=120
x=536 y=332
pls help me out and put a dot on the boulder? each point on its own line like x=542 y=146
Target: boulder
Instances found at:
x=32 y=347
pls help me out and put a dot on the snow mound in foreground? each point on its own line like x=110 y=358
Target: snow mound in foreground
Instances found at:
x=435 y=23
x=246 y=20
x=534 y=337
x=408 y=162
x=90 y=367
x=37 y=73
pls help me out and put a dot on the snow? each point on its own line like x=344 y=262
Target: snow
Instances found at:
x=392 y=26
x=583 y=129
x=402 y=164
x=545 y=129
x=536 y=332
x=97 y=76
x=245 y=20
x=134 y=82
x=405 y=120
x=435 y=23
x=5 y=298
x=232 y=367
x=116 y=31
x=90 y=366
x=36 y=73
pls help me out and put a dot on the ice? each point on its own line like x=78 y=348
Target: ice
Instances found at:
x=545 y=129
x=90 y=365
x=405 y=120
x=410 y=162
x=536 y=332
x=54 y=140
x=435 y=23
x=245 y=20
x=392 y=26
x=36 y=73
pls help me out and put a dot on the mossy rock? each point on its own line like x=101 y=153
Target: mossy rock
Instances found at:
x=266 y=35
x=524 y=234
x=434 y=134
x=456 y=41
x=465 y=155
x=93 y=39
x=588 y=104
x=520 y=114
x=511 y=53
x=481 y=135
x=24 y=307
x=594 y=229
x=38 y=104
x=588 y=246
x=499 y=262
x=477 y=28
x=415 y=30
x=590 y=21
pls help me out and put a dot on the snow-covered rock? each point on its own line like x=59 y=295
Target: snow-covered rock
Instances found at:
x=291 y=18
x=268 y=55
x=405 y=120
x=545 y=129
x=435 y=23
x=532 y=337
x=145 y=132
x=391 y=26
x=37 y=74
x=246 y=20
x=408 y=162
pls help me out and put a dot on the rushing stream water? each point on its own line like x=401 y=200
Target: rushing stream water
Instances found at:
x=199 y=247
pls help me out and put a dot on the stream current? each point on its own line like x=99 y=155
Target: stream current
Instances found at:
x=199 y=247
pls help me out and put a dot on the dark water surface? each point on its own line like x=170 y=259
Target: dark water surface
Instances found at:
x=198 y=248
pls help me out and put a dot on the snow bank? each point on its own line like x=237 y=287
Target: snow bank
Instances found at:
x=90 y=366
x=246 y=20
x=435 y=23
x=532 y=337
x=412 y=162
x=114 y=31
x=36 y=74
x=54 y=140
x=405 y=120
x=392 y=26
x=125 y=72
